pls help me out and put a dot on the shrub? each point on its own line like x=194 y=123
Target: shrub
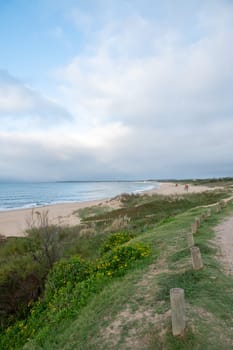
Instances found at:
x=119 y=223
x=69 y=286
x=67 y=272
x=115 y=240
x=44 y=246
x=120 y=258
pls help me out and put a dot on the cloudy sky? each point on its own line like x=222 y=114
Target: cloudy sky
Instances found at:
x=116 y=89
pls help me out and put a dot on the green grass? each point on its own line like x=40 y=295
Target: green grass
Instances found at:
x=132 y=311
x=209 y=300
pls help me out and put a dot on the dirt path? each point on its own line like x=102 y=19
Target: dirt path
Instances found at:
x=224 y=238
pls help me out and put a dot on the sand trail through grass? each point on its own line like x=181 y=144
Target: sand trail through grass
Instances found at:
x=224 y=239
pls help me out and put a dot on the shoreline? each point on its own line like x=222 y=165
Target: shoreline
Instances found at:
x=13 y=223
x=154 y=185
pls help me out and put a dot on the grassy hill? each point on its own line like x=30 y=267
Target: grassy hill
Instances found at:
x=109 y=288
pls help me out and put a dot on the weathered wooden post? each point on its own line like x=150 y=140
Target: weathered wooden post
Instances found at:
x=196 y=258
x=222 y=203
x=198 y=222
x=177 y=311
x=190 y=239
x=208 y=212
x=203 y=216
x=218 y=208
x=194 y=228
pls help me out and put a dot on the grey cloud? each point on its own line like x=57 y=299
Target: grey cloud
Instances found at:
x=36 y=159
x=142 y=153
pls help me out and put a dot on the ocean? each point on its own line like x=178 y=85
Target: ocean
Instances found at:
x=30 y=195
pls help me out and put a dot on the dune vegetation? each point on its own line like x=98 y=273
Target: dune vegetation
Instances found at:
x=105 y=283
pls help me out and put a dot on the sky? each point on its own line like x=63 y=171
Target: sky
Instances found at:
x=116 y=89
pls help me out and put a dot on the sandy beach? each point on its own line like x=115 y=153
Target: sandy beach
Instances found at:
x=15 y=222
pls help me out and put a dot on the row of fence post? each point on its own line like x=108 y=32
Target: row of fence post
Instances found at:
x=177 y=297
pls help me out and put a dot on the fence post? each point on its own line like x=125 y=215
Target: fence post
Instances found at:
x=190 y=239
x=203 y=216
x=218 y=208
x=196 y=258
x=222 y=204
x=198 y=222
x=177 y=311
x=208 y=212
x=194 y=228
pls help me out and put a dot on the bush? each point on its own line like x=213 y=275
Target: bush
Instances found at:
x=115 y=240
x=67 y=272
x=69 y=286
x=120 y=258
x=44 y=246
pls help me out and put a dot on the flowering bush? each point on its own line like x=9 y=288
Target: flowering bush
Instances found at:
x=69 y=286
x=67 y=272
x=120 y=258
x=115 y=240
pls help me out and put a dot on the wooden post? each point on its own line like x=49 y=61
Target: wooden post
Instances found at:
x=208 y=212
x=196 y=258
x=194 y=228
x=198 y=222
x=218 y=208
x=222 y=203
x=177 y=311
x=203 y=216
x=190 y=239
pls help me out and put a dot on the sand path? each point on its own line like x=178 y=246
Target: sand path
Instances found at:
x=224 y=239
x=170 y=188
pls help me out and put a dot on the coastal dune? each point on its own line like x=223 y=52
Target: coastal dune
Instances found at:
x=16 y=222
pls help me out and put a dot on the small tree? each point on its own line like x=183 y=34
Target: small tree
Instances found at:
x=43 y=240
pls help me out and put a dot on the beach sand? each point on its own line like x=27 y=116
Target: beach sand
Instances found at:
x=15 y=222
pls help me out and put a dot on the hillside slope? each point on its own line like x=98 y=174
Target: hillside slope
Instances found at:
x=134 y=312
x=131 y=310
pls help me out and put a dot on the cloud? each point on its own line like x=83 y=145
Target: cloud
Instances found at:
x=21 y=104
x=170 y=88
x=61 y=154
x=150 y=97
x=126 y=78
